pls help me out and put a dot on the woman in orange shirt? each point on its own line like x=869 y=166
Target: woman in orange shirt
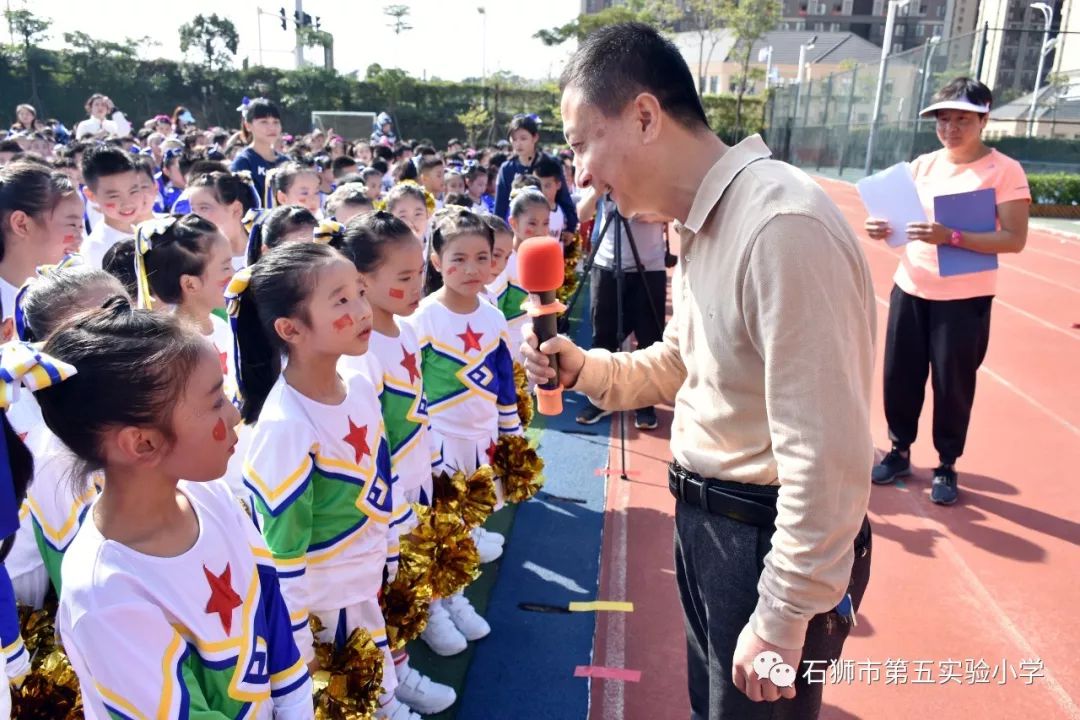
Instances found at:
x=941 y=324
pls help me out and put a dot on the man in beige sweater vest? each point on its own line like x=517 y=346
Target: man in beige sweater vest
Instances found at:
x=768 y=361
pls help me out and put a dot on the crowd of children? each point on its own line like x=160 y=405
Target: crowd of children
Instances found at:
x=230 y=371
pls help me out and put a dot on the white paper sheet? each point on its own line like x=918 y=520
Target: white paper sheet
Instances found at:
x=891 y=195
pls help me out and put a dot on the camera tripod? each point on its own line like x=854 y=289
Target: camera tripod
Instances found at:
x=614 y=218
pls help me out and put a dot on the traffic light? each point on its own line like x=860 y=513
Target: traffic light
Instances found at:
x=307 y=20
x=318 y=21
x=282 y=13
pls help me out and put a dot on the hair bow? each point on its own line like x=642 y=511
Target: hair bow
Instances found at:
x=145 y=232
x=236 y=287
x=169 y=154
x=469 y=165
x=243 y=104
x=24 y=366
x=534 y=117
x=326 y=231
x=429 y=199
x=69 y=260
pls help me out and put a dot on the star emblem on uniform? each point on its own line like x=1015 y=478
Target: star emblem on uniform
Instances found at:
x=490 y=451
x=357 y=437
x=223 y=599
x=470 y=338
x=408 y=361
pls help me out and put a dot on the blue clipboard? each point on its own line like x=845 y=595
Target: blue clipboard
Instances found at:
x=967 y=212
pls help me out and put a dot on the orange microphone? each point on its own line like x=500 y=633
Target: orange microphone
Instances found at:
x=541 y=273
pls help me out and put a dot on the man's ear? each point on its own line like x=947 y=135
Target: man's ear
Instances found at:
x=648 y=117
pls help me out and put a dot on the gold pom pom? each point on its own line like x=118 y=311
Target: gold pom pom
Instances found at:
x=571 y=256
x=455 y=560
x=51 y=690
x=519 y=466
x=479 y=500
x=349 y=681
x=524 y=397
x=406 y=603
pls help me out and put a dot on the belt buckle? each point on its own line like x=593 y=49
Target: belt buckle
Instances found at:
x=703 y=493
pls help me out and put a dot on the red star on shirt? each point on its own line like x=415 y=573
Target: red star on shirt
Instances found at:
x=223 y=599
x=224 y=359
x=357 y=437
x=470 y=338
x=408 y=361
x=490 y=451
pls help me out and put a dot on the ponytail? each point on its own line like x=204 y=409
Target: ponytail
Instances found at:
x=278 y=285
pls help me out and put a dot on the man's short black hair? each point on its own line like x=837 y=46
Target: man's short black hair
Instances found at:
x=380 y=165
x=103 y=161
x=965 y=88
x=614 y=64
x=370 y=173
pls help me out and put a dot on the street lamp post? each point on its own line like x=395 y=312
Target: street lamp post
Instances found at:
x=928 y=56
x=483 y=44
x=765 y=54
x=886 y=47
x=1044 y=48
x=802 y=72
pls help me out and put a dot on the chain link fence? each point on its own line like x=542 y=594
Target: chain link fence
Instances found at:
x=824 y=124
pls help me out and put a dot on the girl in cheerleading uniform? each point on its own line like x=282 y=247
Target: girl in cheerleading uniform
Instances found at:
x=390 y=260
x=505 y=291
x=53 y=512
x=20 y=365
x=186 y=262
x=171 y=606
x=318 y=466
x=467 y=367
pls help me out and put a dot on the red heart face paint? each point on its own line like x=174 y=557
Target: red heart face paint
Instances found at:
x=69 y=239
x=220 y=431
x=110 y=206
x=397 y=294
x=451 y=270
x=345 y=321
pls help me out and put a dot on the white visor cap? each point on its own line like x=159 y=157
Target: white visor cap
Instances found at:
x=957 y=104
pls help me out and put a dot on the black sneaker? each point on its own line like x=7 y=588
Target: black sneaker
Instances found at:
x=894 y=465
x=591 y=414
x=645 y=418
x=944 y=490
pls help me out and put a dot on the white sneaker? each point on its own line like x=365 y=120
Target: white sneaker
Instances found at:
x=421 y=693
x=396 y=710
x=488 y=536
x=465 y=617
x=441 y=634
x=488 y=551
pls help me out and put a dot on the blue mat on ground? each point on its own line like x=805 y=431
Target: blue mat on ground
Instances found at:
x=525 y=668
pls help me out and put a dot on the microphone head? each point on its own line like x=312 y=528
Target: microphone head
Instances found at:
x=540 y=264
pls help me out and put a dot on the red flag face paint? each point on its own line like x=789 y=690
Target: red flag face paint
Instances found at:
x=451 y=270
x=345 y=321
x=220 y=431
x=397 y=293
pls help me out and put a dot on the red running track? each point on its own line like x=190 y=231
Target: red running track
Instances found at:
x=984 y=592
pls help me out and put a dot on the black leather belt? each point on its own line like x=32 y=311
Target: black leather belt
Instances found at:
x=750 y=504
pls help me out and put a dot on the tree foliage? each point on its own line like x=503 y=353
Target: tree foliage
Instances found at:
x=748 y=21
x=214 y=38
x=659 y=13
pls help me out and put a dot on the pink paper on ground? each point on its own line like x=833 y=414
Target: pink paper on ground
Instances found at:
x=607 y=673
